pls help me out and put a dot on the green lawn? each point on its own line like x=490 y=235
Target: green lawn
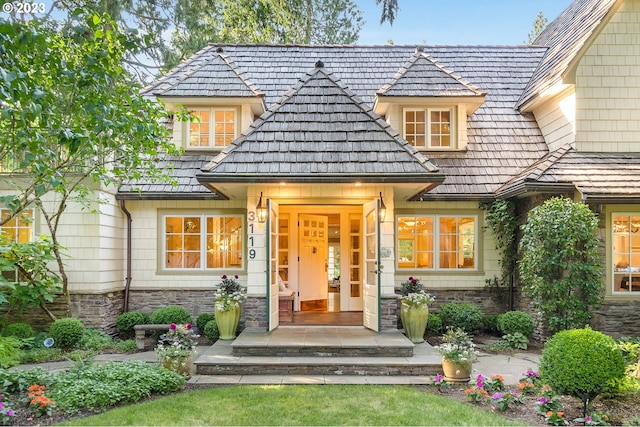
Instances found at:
x=300 y=405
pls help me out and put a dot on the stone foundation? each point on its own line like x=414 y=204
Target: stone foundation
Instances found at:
x=254 y=312
x=195 y=301
x=389 y=312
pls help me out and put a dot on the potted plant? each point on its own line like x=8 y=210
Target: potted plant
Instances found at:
x=177 y=347
x=414 y=309
x=458 y=354
x=227 y=307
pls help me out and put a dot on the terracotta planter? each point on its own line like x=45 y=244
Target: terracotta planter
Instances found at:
x=414 y=320
x=456 y=372
x=227 y=322
x=181 y=365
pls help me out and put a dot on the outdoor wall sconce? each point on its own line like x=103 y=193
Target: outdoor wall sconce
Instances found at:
x=383 y=209
x=261 y=210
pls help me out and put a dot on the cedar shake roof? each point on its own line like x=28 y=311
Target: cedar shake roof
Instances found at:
x=183 y=170
x=218 y=77
x=319 y=131
x=565 y=37
x=422 y=76
x=501 y=141
x=600 y=177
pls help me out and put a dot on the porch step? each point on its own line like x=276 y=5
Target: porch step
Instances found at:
x=307 y=358
x=321 y=342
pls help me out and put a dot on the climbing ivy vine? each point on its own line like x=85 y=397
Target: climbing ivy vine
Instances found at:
x=502 y=221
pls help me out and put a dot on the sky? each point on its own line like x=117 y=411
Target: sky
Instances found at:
x=452 y=22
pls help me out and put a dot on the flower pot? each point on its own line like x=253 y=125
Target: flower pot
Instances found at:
x=227 y=322
x=457 y=372
x=181 y=365
x=414 y=320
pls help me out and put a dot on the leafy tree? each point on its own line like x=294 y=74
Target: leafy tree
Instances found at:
x=192 y=24
x=389 y=12
x=71 y=119
x=539 y=25
x=560 y=266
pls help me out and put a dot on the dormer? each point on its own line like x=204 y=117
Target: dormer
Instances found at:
x=219 y=96
x=428 y=104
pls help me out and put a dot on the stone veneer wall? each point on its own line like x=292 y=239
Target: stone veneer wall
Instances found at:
x=389 y=312
x=98 y=311
x=195 y=301
x=253 y=312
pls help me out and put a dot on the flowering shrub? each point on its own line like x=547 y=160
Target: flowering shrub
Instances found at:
x=416 y=299
x=229 y=295
x=457 y=347
x=177 y=346
x=476 y=394
x=440 y=382
x=495 y=383
x=5 y=411
x=411 y=286
x=40 y=404
x=503 y=400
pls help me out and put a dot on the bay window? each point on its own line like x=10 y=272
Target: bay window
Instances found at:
x=202 y=242
x=437 y=242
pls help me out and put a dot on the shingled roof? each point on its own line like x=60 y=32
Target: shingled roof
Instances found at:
x=422 y=76
x=565 y=37
x=319 y=131
x=217 y=77
x=501 y=141
x=599 y=177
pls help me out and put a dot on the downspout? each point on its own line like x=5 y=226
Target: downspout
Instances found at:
x=127 y=282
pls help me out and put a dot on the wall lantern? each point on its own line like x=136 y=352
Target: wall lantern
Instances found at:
x=383 y=209
x=261 y=210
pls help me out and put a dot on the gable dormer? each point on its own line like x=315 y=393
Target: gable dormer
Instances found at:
x=428 y=104
x=218 y=95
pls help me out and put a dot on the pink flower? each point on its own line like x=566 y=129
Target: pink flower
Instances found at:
x=9 y=413
x=497 y=396
x=173 y=327
x=187 y=325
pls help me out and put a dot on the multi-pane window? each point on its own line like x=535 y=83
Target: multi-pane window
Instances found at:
x=202 y=242
x=18 y=229
x=430 y=128
x=626 y=252
x=214 y=128
x=438 y=242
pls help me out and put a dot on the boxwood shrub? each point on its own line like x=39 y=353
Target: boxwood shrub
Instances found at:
x=434 y=325
x=126 y=322
x=463 y=315
x=516 y=321
x=67 y=332
x=18 y=330
x=581 y=361
x=211 y=331
x=202 y=321
x=171 y=314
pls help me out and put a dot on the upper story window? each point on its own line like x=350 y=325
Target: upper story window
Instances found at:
x=215 y=128
x=437 y=242
x=626 y=252
x=429 y=128
x=202 y=242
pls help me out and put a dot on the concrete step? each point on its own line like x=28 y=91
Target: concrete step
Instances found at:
x=322 y=351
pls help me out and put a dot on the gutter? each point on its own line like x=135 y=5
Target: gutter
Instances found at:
x=127 y=283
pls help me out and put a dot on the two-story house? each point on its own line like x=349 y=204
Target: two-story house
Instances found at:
x=333 y=173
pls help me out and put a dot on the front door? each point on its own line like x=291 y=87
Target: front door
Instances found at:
x=371 y=313
x=272 y=265
x=313 y=253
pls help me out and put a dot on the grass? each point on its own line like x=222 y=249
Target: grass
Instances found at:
x=299 y=405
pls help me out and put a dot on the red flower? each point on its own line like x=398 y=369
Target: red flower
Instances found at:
x=173 y=327
x=187 y=325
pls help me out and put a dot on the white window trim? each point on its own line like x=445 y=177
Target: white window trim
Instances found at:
x=436 y=243
x=452 y=130
x=203 y=243
x=211 y=146
x=630 y=291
